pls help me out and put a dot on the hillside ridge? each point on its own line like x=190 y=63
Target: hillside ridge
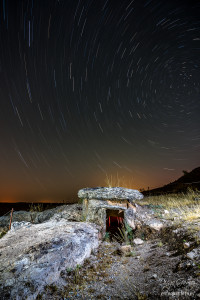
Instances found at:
x=188 y=180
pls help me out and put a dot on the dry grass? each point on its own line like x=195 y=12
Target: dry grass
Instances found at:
x=116 y=181
x=3 y=233
x=36 y=207
x=173 y=200
x=192 y=213
x=185 y=206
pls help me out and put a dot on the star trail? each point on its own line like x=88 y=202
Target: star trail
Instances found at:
x=91 y=89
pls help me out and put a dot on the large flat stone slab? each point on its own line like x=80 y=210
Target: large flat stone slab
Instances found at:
x=105 y=193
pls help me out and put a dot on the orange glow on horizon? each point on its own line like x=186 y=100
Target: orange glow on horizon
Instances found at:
x=7 y=200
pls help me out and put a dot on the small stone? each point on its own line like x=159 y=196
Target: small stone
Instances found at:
x=191 y=283
x=123 y=250
x=138 y=241
x=126 y=249
x=186 y=245
x=192 y=255
x=154 y=276
x=146 y=268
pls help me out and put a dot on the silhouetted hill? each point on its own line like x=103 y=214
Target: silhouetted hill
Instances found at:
x=188 y=180
x=190 y=177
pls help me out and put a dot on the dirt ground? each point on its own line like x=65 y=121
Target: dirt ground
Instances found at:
x=149 y=271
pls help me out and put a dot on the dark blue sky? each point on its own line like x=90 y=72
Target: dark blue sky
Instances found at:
x=90 y=89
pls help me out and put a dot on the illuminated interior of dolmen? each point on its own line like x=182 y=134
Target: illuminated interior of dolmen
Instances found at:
x=114 y=222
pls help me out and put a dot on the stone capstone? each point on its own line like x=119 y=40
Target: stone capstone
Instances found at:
x=33 y=255
x=106 y=193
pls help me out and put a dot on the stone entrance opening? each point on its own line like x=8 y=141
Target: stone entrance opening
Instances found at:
x=114 y=222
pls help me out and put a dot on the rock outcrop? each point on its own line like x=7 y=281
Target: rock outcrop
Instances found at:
x=71 y=212
x=145 y=217
x=32 y=256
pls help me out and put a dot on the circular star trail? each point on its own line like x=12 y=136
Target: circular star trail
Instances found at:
x=96 y=89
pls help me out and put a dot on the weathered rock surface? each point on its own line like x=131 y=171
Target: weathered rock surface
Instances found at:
x=104 y=193
x=155 y=224
x=194 y=254
x=72 y=212
x=129 y=217
x=17 y=217
x=32 y=256
x=145 y=217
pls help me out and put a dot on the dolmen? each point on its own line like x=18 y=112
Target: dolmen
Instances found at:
x=109 y=206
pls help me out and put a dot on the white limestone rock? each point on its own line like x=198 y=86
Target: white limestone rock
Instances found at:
x=138 y=241
x=155 y=224
x=194 y=254
x=33 y=255
x=186 y=245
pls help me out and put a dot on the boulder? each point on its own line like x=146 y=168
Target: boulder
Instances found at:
x=155 y=224
x=33 y=255
x=17 y=217
x=145 y=217
x=106 y=193
x=72 y=212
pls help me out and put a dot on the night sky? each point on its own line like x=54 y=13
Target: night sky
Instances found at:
x=92 y=88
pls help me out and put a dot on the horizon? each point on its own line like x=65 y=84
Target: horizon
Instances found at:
x=65 y=198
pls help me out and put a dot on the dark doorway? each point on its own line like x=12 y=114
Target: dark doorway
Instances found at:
x=114 y=222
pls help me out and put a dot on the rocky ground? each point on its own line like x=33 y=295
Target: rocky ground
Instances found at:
x=149 y=272
x=155 y=269
x=161 y=262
